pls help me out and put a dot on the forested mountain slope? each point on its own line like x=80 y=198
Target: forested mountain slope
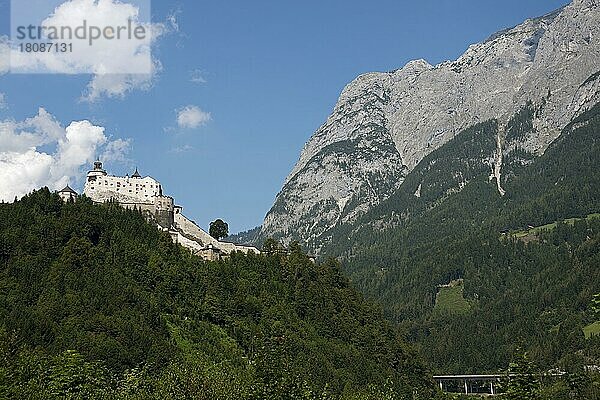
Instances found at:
x=448 y=222
x=97 y=303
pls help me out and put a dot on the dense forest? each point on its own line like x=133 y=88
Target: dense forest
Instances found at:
x=97 y=303
x=461 y=270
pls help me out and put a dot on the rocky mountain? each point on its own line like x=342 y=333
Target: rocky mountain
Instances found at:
x=385 y=124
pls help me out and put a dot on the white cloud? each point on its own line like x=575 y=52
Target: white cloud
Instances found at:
x=39 y=130
x=197 y=76
x=117 y=151
x=24 y=166
x=192 y=117
x=44 y=124
x=77 y=148
x=118 y=85
x=22 y=172
x=2 y=101
x=117 y=66
x=182 y=149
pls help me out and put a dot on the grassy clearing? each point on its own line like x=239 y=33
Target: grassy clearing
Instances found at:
x=449 y=299
x=547 y=227
x=592 y=330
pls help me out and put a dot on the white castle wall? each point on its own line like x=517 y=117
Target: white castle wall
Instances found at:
x=127 y=189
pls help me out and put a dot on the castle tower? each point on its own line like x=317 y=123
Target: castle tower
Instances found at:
x=96 y=172
x=67 y=194
x=164 y=211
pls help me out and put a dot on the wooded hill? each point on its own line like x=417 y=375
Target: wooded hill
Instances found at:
x=97 y=303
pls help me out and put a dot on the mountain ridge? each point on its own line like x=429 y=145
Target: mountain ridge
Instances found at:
x=385 y=123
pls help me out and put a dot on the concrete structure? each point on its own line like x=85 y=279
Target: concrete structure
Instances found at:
x=481 y=385
x=146 y=194
x=469 y=384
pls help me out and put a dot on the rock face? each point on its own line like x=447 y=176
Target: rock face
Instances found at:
x=384 y=124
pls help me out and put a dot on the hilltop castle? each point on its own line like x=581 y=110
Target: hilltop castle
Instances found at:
x=146 y=194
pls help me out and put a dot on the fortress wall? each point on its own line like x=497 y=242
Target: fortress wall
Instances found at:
x=164 y=203
x=163 y=210
x=188 y=243
x=230 y=247
x=131 y=192
x=191 y=229
x=246 y=249
x=140 y=189
x=139 y=206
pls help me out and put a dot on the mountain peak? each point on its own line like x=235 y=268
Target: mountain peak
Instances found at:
x=418 y=65
x=384 y=124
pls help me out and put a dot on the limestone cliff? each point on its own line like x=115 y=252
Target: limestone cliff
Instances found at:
x=384 y=124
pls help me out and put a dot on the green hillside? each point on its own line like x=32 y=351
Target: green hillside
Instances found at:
x=96 y=303
x=591 y=330
x=517 y=292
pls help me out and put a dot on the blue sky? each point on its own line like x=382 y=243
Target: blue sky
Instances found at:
x=272 y=72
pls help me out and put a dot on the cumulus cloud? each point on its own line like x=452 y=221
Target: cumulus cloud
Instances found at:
x=117 y=65
x=39 y=130
x=25 y=166
x=191 y=117
x=22 y=172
